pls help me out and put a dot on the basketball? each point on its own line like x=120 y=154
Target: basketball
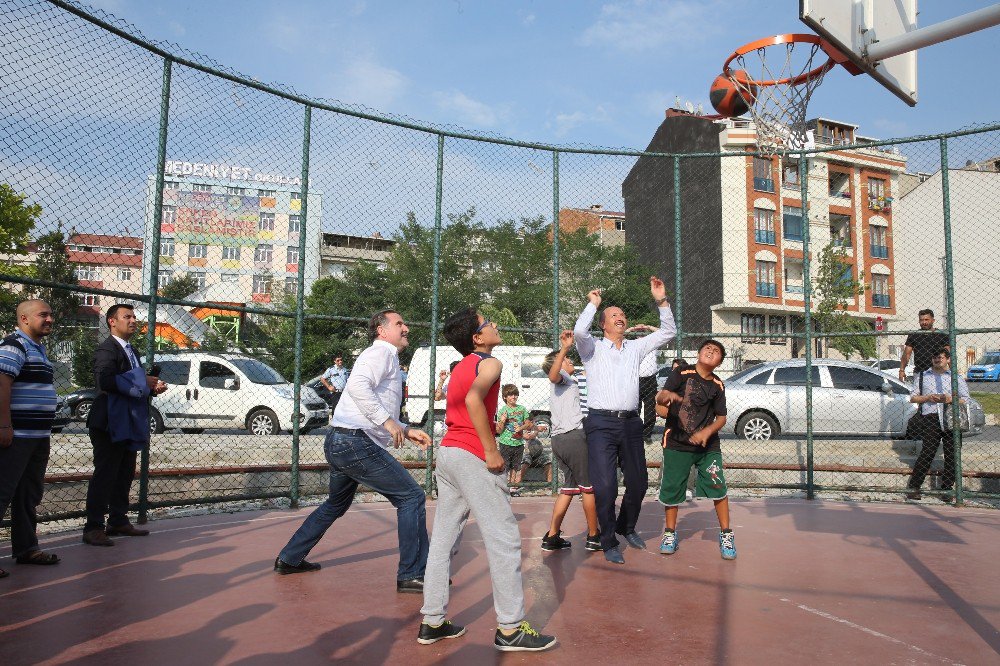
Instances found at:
x=730 y=99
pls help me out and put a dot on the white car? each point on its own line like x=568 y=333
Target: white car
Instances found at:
x=890 y=368
x=208 y=390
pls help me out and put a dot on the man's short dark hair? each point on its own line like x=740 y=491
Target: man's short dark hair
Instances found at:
x=942 y=350
x=459 y=329
x=113 y=311
x=380 y=318
x=926 y=311
x=451 y=367
x=679 y=363
x=715 y=343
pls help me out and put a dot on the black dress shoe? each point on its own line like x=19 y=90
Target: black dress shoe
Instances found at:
x=127 y=529
x=284 y=568
x=411 y=586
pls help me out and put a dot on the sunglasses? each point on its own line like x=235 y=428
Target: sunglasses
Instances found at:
x=486 y=322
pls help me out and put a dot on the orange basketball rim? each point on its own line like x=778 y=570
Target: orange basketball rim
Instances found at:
x=835 y=57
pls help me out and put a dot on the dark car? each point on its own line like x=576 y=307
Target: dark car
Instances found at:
x=80 y=401
x=63 y=415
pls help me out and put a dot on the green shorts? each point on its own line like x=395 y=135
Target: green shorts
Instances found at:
x=676 y=467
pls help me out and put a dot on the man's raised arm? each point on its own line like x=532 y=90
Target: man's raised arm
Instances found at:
x=668 y=328
x=581 y=331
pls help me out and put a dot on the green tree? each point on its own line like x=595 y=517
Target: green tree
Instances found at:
x=53 y=265
x=17 y=219
x=84 y=345
x=835 y=288
x=180 y=287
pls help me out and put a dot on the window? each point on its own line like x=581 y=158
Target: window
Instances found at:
x=878 y=195
x=261 y=284
x=531 y=366
x=199 y=278
x=793 y=277
x=763 y=226
x=231 y=252
x=752 y=328
x=878 y=246
x=855 y=379
x=163 y=278
x=840 y=230
x=619 y=225
x=236 y=190
x=876 y=188
x=795 y=376
x=214 y=375
x=291 y=285
x=197 y=251
x=265 y=193
x=880 y=291
x=846 y=276
x=296 y=196
x=175 y=372
x=169 y=215
x=776 y=325
x=171 y=185
x=762 y=180
x=334 y=269
x=840 y=184
x=292 y=255
x=765 y=279
x=91 y=273
x=89 y=299
x=166 y=246
x=791 y=223
x=294 y=224
x=760 y=378
x=124 y=274
x=264 y=253
x=202 y=187
x=790 y=176
x=230 y=277
x=266 y=222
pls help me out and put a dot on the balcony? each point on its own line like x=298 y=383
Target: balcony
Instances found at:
x=880 y=301
x=768 y=289
x=880 y=204
x=763 y=236
x=763 y=184
x=793 y=289
x=880 y=252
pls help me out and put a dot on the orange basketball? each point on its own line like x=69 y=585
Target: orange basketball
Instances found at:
x=730 y=99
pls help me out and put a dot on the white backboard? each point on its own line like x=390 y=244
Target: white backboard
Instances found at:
x=853 y=25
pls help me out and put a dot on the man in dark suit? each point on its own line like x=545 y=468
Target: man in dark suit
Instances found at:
x=114 y=461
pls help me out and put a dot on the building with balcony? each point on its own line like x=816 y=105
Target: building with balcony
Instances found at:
x=341 y=251
x=742 y=224
x=608 y=226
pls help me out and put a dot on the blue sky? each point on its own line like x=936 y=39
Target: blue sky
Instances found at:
x=597 y=73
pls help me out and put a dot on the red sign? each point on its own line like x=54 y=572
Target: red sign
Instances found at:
x=879 y=324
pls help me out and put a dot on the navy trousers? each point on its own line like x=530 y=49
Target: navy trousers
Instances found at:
x=612 y=442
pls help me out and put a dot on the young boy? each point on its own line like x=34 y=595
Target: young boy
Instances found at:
x=696 y=400
x=569 y=446
x=534 y=451
x=469 y=479
x=510 y=424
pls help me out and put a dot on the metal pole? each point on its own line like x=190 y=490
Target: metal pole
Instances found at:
x=678 y=281
x=300 y=305
x=934 y=34
x=949 y=276
x=807 y=298
x=435 y=315
x=154 y=269
x=555 y=250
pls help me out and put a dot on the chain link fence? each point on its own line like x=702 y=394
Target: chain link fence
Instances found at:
x=255 y=230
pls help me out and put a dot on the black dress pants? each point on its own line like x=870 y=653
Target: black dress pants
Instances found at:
x=108 y=491
x=612 y=441
x=647 y=398
x=22 y=480
x=931 y=435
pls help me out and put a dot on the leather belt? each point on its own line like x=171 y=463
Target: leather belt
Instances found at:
x=348 y=431
x=616 y=413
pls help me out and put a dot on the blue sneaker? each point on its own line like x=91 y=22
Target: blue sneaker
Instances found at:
x=668 y=546
x=727 y=544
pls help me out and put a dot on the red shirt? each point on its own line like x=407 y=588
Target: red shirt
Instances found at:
x=461 y=433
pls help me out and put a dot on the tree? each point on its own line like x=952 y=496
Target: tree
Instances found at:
x=53 y=265
x=835 y=288
x=180 y=287
x=84 y=346
x=17 y=219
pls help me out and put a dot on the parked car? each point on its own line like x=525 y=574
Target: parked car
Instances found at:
x=890 y=368
x=223 y=390
x=80 y=401
x=986 y=369
x=63 y=416
x=769 y=400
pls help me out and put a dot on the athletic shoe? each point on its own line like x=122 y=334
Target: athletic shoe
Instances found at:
x=668 y=546
x=525 y=639
x=614 y=555
x=554 y=542
x=593 y=543
x=446 y=629
x=727 y=544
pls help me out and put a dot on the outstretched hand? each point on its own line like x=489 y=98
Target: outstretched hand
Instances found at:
x=594 y=296
x=657 y=288
x=566 y=339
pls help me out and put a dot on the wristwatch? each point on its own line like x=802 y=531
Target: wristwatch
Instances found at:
x=660 y=301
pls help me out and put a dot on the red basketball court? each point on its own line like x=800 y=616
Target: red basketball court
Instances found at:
x=827 y=582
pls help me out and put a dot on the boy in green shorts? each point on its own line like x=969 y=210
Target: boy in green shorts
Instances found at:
x=695 y=402
x=510 y=423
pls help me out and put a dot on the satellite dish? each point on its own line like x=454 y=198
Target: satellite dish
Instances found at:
x=677 y=102
x=689 y=106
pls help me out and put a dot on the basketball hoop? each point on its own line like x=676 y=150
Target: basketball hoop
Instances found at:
x=781 y=76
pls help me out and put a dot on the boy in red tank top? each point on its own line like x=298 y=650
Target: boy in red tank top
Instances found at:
x=470 y=479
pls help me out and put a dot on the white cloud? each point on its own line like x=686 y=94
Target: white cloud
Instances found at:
x=527 y=18
x=640 y=25
x=466 y=110
x=176 y=29
x=367 y=82
x=564 y=123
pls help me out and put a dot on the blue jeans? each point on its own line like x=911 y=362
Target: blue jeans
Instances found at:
x=355 y=459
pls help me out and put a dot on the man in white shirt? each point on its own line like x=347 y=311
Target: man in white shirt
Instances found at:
x=335 y=379
x=363 y=427
x=613 y=426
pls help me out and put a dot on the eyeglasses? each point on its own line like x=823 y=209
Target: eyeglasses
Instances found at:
x=486 y=322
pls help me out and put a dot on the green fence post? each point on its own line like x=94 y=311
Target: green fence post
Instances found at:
x=435 y=315
x=949 y=277
x=678 y=280
x=555 y=283
x=807 y=306
x=154 y=270
x=300 y=305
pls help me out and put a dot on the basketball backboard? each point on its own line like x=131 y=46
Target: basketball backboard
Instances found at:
x=852 y=26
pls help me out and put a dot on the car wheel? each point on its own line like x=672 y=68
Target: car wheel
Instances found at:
x=83 y=409
x=757 y=426
x=155 y=422
x=262 y=422
x=193 y=431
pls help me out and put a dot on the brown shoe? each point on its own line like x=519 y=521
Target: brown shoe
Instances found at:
x=97 y=538
x=126 y=530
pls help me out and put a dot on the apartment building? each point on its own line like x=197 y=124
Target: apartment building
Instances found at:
x=607 y=225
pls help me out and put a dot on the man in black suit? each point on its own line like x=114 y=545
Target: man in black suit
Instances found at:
x=114 y=461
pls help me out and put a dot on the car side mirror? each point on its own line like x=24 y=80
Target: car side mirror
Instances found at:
x=231 y=383
x=887 y=387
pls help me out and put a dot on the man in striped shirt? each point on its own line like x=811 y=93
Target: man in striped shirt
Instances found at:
x=27 y=409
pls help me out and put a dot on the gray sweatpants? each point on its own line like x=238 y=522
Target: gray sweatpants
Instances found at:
x=464 y=486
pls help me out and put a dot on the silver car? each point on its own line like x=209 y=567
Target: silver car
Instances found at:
x=768 y=400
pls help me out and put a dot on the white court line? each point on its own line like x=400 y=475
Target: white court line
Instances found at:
x=871 y=632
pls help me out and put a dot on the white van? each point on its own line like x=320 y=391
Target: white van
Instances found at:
x=208 y=390
x=522 y=366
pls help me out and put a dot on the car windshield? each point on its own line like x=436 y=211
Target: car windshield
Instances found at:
x=989 y=359
x=743 y=373
x=257 y=372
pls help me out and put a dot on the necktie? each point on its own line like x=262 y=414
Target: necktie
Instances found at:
x=131 y=355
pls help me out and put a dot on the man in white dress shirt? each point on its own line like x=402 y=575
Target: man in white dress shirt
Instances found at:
x=363 y=427
x=613 y=426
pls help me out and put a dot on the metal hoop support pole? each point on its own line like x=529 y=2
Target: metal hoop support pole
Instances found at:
x=934 y=34
x=949 y=276
x=435 y=315
x=807 y=300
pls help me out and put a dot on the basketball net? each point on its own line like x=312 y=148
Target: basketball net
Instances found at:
x=784 y=82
